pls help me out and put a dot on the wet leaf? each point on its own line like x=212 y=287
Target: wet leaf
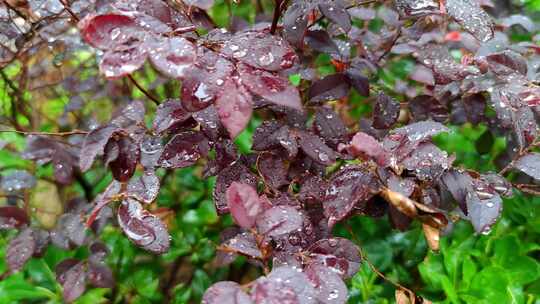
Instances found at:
x=173 y=56
x=144 y=188
x=331 y=87
x=104 y=31
x=316 y=149
x=385 y=112
x=12 y=217
x=234 y=108
x=234 y=173
x=142 y=227
x=272 y=87
x=168 y=114
x=340 y=254
x=225 y=292
x=279 y=220
x=471 y=17
x=244 y=204
x=529 y=164
x=71 y=274
x=183 y=150
x=20 y=249
x=330 y=288
x=335 y=11
x=94 y=144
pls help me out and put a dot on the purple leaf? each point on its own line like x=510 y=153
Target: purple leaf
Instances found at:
x=44 y=150
x=99 y=274
x=226 y=292
x=173 y=56
x=20 y=249
x=385 y=112
x=144 y=188
x=234 y=173
x=71 y=274
x=331 y=87
x=244 y=204
x=424 y=107
x=471 y=17
x=266 y=291
x=130 y=114
x=234 y=107
x=340 y=254
x=273 y=170
x=458 y=184
x=320 y=41
x=348 y=187
x=183 y=150
x=358 y=81
x=279 y=220
x=427 y=162
x=12 y=217
x=94 y=144
x=335 y=11
x=445 y=68
x=168 y=114
x=295 y=22
x=529 y=164
x=316 y=149
x=296 y=280
x=484 y=207
x=142 y=227
x=244 y=244
x=330 y=288
x=205 y=81
x=260 y=50
x=329 y=126
x=364 y=144
x=272 y=87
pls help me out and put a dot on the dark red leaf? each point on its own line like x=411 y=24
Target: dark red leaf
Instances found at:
x=296 y=280
x=414 y=8
x=329 y=126
x=99 y=274
x=12 y=217
x=427 y=162
x=124 y=165
x=124 y=61
x=484 y=206
x=168 y=114
x=183 y=150
x=104 y=31
x=142 y=227
x=151 y=149
x=244 y=244
x=424 y=107
x=321 y=41
x=358 y=80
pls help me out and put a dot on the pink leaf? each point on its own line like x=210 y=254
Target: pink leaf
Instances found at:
x=244 y=204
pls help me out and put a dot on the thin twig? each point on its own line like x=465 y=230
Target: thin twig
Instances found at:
x=143 y=90
x=74 y=132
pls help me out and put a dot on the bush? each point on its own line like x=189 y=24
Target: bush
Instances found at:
x=269 y=152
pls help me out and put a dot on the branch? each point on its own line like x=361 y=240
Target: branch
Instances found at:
x=275 y=19
x=74 y=132
x=143 y=90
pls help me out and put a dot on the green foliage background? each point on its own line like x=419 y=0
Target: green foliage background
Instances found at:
x=501 y=267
